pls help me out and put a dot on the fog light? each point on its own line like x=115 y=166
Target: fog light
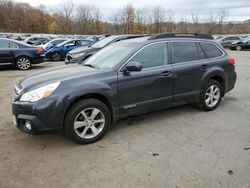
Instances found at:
x=28 y=125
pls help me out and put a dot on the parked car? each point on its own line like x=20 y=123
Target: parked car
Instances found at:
x=53 y=43
x=124 y=79
x=21 y=55
x=37 y=40
x=60 y=51
x=226 y=41
x=241 y=45
x=80 y=54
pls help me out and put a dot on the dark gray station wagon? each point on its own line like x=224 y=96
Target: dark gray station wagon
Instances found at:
x=125 y=79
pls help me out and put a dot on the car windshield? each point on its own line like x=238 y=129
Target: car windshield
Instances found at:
x=63 y=43
x=104 y=42
x=246 y=39
x=110 y=56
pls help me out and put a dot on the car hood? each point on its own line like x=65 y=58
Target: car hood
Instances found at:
x=83 y=50
x=61 y=73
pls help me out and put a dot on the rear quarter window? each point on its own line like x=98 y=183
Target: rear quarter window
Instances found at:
x=211 y=50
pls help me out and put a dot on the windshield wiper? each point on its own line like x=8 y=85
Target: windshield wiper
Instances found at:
x=92 y=66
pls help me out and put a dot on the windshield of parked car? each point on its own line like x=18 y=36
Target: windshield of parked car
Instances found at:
x=65 y=42
x=110 y=56
x=104 y=42
x=246 y=39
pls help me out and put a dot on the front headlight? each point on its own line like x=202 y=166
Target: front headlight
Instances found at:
x=39 y=93
x=77 y=55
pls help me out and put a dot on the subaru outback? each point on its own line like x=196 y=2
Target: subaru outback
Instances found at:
x=127 y=78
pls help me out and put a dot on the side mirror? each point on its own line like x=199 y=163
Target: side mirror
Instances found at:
x=133 y=66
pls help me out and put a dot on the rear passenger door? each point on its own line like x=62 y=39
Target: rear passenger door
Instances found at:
x=189 y=66
x=6 y=53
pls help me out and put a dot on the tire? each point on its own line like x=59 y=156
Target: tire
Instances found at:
x=23 y=63
x=211 y=96
x=238 y=48
x=81 y=128
x=56 y=56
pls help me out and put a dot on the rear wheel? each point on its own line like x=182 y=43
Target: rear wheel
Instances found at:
x=23 y=63
x=211 y=96
x=56 y=56
x=238 y=48
x=87 y=121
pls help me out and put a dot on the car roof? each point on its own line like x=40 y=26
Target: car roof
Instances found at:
x=19 y=43
x=147 y=40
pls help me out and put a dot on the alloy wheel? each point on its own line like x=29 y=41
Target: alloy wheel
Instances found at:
x=23 y=63
x=238 y=48
x=89 y=123
x=212 y=96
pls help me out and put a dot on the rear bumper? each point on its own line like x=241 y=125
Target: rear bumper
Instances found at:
x=37 y=60
x=231 y=82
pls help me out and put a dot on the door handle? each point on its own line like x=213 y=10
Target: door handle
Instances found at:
x=204 y=67
x=168 y=74
x=165 y=74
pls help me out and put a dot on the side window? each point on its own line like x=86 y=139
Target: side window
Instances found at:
x=11 y=45
x=83 y=42
x=201 y=54
x=211 y=50
x=4 y=45
x=153 y=55
x=184 y=51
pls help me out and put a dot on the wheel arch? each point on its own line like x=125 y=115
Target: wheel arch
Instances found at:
x=216 y=74
x=96 y=96
x=19 y=56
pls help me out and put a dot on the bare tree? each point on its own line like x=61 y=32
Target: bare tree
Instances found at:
x=127 y=17
x=66 y=13
x=222 y=14
x=159 y=16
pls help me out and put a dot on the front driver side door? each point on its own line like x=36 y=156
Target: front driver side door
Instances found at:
x=150 y=88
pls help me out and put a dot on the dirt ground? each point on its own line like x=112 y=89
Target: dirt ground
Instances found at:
x=178 y=147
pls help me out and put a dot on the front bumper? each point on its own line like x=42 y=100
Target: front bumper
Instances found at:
x=41 y=115
x=69 y=59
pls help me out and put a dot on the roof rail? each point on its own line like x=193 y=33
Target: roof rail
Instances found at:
x=181 y=35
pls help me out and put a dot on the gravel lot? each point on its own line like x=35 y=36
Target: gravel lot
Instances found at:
x=178 y=147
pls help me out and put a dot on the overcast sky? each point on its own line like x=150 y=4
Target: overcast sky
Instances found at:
x=239 y=10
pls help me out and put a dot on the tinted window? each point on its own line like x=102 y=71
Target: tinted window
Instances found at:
x=84 y=42
x=184 y=51
x=4 y=45
x=152 y=56
x=211 y=50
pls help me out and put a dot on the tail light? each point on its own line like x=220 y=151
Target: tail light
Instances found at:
x=231 y=61
x=39 y=50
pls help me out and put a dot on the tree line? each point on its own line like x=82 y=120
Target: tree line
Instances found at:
x=68 y=18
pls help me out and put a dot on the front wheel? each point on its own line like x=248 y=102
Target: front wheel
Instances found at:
x=211 y=96
x=87 y=121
